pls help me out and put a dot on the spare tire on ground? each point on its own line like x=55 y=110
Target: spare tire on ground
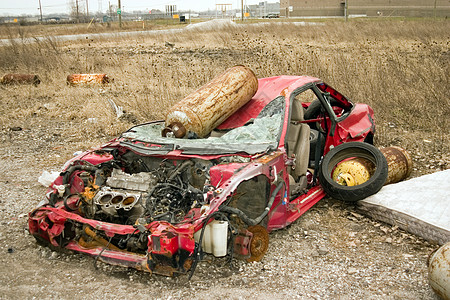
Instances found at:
x=348 y=151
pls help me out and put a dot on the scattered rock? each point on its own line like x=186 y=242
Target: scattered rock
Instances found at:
x=351 y=244
x=357 y=216
x=322 y=250
x=352 y=271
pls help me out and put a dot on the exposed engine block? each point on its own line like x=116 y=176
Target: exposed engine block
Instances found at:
x=139 y=181
x=163 y=194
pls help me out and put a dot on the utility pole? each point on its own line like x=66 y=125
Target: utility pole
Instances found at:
x=119 y=10
x=434 y=9
x=242 y=10
x=346 y=10
x=87 y=9
x=40 y=9
x=78 y=12
x=288 y=9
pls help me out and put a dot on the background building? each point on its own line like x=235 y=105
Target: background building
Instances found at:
x=370 y=8
x=264 y=9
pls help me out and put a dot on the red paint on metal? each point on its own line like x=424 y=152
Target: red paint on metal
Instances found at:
x=335 y=94
x=174 y=237
x=242 y=244
x=120 y=258
x=303 y=203
x=357 y=125
x=97 y=157
x=109 y=228
x=221 y=173
x=268 y=89
x=169 y=243
x=76 y=183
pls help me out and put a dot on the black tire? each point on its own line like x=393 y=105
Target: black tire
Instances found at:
x=357 y=192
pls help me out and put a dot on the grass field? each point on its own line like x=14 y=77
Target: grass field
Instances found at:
x=400 y=68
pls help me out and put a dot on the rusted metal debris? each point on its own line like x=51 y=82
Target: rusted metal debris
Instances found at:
x=439 y=271
x=87 y=79
x=399 y=164
x=20 y=79
x=203 y=110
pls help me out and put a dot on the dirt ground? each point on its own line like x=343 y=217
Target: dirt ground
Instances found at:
x=330 y=252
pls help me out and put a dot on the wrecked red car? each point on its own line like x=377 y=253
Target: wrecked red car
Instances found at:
x=158 y=203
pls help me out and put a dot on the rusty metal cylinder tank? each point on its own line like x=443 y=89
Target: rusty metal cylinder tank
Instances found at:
x=87 y=79
x=20 y=79
x=206 y=108
x=399 y=164
x=439 y=271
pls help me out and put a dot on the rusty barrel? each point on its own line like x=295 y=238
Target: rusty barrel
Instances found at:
x=20 y=79
x=75 y=79
x=439 y=271
x=399 y=164
x=206 y=108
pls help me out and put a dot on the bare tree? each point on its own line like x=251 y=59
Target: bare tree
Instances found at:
x=78 y=10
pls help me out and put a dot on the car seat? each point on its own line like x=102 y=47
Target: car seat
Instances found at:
x=298 y=141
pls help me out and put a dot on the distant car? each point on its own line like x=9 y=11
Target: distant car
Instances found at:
x=273 y=15
x=158 y=204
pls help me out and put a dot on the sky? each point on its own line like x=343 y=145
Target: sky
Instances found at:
x=20 y=7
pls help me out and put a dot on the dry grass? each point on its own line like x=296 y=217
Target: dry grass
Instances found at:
x=400 y=68
x=18 y=31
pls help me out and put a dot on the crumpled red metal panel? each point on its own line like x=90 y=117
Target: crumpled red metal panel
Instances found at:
x=357 y=124
x=120 y=258
x=109 y=228
x=92 y=156
x=221 y=173
x=345 y=103
x=173 y=237
x=97 y=157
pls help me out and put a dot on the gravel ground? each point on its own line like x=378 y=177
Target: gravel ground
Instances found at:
x=331 y=252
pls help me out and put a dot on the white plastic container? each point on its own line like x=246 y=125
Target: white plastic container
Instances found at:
x=207 y=239
x=219 y=238
x=215 y=238
x=47 y=178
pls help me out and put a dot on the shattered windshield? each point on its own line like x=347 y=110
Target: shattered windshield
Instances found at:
x=258 y=135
